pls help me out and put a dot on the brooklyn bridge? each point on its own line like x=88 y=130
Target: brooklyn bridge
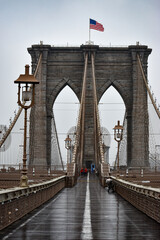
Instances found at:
x=86 y=197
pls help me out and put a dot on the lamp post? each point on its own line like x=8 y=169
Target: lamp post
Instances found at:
x=68 y=145
x=26 y=94
x=118 y=134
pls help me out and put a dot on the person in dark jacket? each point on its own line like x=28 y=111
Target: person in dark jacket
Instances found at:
x=85 y=171
x=110 y=185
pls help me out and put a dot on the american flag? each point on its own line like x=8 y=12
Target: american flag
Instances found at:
x=96 y=26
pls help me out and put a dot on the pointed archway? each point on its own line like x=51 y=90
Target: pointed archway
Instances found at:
x=65 y=111
x=111 y=109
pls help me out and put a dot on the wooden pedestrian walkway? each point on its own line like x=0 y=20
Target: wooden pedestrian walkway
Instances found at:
x=86 y=211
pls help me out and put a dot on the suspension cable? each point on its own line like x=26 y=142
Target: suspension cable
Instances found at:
x=146 y=84
x=19 y=111
x=80 y=123
x=97 y=119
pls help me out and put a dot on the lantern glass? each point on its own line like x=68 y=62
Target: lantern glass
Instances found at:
x=118 y=132
x=26 y=96
x=118 y=135
x=68 y=142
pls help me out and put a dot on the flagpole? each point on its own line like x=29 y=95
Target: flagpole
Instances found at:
x=89 y=32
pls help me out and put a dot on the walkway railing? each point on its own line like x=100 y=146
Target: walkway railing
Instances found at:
x=10 y=174
x=144 y=198
x=17 y=202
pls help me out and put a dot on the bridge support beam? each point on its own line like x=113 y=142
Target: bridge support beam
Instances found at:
x=38 y=118
x=138 y=124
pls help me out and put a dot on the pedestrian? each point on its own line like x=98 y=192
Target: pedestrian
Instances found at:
x=110 y=185
x=85 y=171
x=82 y=171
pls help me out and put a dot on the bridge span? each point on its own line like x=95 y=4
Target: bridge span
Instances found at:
x=86 y=211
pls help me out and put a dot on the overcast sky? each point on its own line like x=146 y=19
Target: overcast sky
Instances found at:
x=62 y=22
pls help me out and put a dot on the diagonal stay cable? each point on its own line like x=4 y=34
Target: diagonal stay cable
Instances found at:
x=5 y=136
x=97 y=119
x=80 y=123
x=146 y=84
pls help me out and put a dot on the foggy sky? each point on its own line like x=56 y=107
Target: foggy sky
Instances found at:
x=23 y=23
x=61 y=22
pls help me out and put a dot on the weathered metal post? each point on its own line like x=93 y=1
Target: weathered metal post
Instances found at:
x=27 y=95
x=118 y=134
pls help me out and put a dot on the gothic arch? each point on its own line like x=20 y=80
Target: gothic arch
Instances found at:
x=112 y=108
x=117 y=67
x=120 y=88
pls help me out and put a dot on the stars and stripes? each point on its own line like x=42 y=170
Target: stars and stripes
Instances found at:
x=96 y=25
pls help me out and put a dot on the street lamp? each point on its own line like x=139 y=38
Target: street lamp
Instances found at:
x=68 y=145
x=118 y=134
x=27 y=93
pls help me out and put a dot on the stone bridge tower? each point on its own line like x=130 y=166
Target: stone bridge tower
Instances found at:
x=114 y=66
